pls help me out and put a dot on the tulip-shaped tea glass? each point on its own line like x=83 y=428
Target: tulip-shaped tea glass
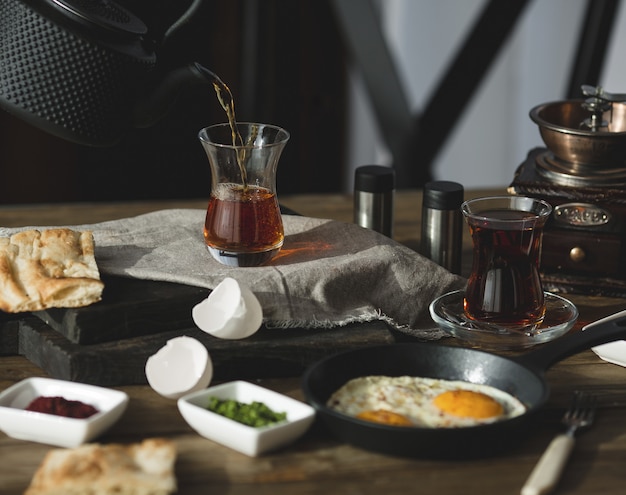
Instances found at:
x=504 y=286
x=243 y=225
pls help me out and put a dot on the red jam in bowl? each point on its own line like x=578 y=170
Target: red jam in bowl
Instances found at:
x=62 y=407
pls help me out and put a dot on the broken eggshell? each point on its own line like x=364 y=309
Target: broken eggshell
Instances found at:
x=231 y=311
x=181 y=366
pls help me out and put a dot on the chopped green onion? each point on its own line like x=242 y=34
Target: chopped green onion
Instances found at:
x=255 y=414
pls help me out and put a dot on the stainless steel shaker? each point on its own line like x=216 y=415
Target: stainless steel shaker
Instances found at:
x=442 y=224
x=374 y=188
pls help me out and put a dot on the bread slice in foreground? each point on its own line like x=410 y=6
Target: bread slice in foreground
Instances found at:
x=145 y=468
x=54 y=268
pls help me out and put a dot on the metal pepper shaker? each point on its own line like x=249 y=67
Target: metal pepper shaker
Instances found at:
x=374 y=188
x=442 y=224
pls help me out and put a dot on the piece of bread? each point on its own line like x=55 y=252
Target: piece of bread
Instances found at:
x=145 y=468
x=54 y=268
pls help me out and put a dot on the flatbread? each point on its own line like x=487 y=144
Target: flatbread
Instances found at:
x=145 y=468
x=54 y=268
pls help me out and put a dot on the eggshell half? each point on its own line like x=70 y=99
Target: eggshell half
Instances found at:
x=181 y=366
x=231 y=311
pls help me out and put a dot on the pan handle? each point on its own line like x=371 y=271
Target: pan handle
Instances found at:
x=599 y=332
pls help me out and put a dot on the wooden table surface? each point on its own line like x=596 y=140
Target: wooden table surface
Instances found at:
x=318 y=463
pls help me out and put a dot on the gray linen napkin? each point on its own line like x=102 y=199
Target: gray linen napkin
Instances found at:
x=328 y=273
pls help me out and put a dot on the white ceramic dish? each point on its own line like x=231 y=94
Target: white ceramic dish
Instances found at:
x=51 y=429
x=613 y=352
x=246 y=439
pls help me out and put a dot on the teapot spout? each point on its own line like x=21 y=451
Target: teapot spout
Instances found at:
x=161 y=100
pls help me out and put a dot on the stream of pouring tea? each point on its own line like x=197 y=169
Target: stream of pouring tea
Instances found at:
x=243 y=224
x=225 y=97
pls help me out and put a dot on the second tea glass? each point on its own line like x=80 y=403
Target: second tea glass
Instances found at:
x=243 y=224
x=504 y=287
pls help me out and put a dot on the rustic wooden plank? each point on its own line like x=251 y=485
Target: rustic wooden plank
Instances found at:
x=268 y=353
x=9 y=326
x=129 y=308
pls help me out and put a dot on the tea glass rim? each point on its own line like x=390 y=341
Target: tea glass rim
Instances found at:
x=204 y=137
x=544 y=213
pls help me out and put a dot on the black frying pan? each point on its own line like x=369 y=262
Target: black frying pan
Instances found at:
x=523 y=377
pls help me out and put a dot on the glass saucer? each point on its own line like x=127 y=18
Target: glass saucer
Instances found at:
x=447 y=312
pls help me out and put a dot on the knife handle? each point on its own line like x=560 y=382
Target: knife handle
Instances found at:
x=547 y=472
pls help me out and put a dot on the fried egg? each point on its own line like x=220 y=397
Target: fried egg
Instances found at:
x=424 y=402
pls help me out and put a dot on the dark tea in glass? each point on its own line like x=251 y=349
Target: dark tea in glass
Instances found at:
x=243 y=224
x=504 y=287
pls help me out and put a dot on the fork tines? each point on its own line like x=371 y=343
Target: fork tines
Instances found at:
x=582 y=410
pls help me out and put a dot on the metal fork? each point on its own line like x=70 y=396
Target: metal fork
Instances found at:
x=546 y=473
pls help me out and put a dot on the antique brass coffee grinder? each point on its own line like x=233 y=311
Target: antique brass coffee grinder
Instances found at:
x=582 y=174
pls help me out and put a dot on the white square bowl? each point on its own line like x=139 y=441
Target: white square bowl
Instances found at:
x=51 y=429
x=237 y=436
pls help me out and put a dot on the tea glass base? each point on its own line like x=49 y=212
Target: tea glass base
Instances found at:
x=238 y=259
x=447 y=311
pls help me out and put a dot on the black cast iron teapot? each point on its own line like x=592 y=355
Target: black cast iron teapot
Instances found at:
x=86 y=70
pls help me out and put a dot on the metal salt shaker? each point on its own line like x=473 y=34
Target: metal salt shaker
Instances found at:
x=374 y=188
x=442 y=224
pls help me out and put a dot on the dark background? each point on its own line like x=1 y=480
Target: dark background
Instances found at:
x=285 y=64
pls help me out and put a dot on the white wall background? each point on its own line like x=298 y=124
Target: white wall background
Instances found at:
x=495 y=133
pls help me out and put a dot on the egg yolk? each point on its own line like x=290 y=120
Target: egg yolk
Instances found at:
x=468 y=404
x=385 y=417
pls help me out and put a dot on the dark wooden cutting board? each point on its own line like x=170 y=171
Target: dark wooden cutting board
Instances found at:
x=109 y=343
x=129 y=308
x=268 y=353
x=9 y=331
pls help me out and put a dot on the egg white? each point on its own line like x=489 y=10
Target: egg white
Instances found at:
x=413 y=397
